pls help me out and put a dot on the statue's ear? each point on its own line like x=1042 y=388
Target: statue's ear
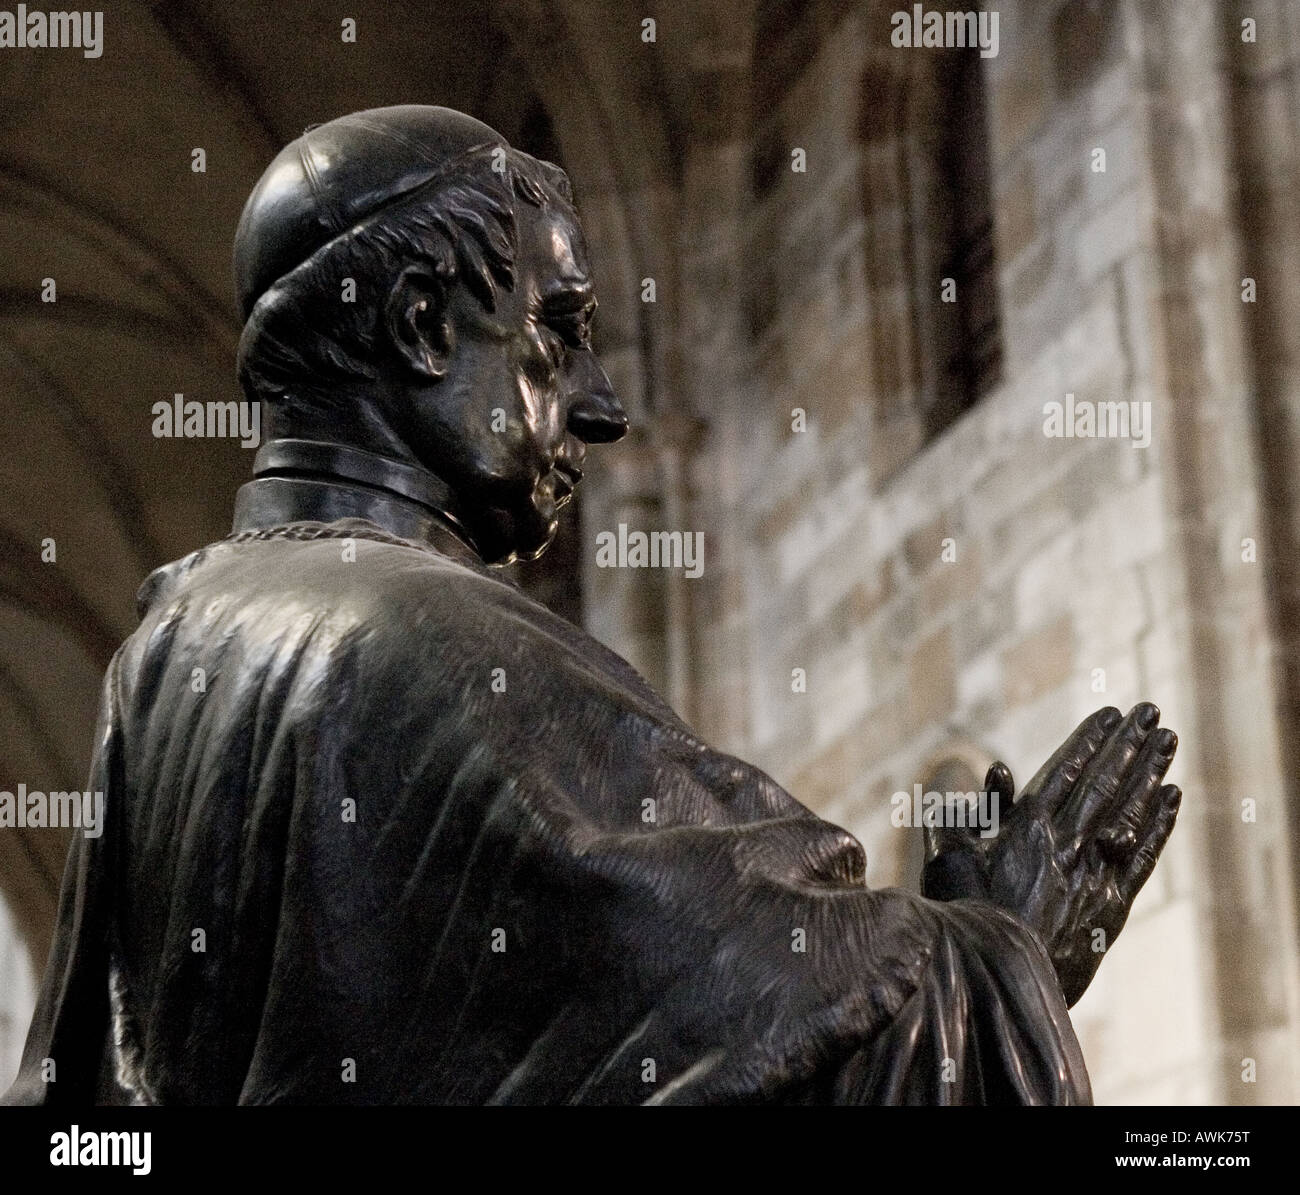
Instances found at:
x=416 y=317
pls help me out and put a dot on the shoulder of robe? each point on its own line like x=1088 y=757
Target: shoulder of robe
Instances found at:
x=399 y=602
x=356 y=575
x=315 y=561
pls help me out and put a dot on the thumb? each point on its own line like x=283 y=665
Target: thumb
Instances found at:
x=999 y=783
x=942 y=839
x=954 y=867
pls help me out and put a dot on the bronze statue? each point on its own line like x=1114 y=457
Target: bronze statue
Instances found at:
x=381 y=829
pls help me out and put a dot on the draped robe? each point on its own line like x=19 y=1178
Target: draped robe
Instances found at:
x=349 y=861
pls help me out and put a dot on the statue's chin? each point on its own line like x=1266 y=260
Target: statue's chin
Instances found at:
x=523 y=535
x=532 y=551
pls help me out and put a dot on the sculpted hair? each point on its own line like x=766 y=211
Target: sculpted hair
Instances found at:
x=304 y=342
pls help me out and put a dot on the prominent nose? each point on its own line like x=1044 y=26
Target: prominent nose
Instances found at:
x=595 y=414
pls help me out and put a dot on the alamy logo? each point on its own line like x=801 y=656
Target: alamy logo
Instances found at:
x=23 y=30
x=651 y=549
x=212 y=420
x=1088 y=420
x=39 y=811
x=948 y=810
x=945 y=30
x=86 y=1147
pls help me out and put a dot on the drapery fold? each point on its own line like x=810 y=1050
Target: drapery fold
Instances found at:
x=384 y=830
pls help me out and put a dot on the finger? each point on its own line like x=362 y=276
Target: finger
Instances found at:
x=1054 y=780
x=1139 y=797
x=1097 y=793
x=1158 y=829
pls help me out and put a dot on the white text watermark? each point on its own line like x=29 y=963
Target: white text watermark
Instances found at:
x=948 y=810
x=61 y=810
x=1087 y=420
x=651 y=549
x=945 y=30
x=24 y=30
x=191 y=420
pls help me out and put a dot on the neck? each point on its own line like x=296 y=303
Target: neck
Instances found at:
x=298 y=480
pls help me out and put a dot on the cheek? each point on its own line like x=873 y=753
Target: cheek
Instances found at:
x=537 y=385
x=530 y=400
x=535 y=408
x=519 y=409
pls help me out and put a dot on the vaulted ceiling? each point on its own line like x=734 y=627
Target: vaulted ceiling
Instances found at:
x=98 y=194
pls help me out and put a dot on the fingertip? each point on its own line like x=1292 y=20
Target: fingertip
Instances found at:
x=998 y=781
x=1166 y=741
x=1146 y=714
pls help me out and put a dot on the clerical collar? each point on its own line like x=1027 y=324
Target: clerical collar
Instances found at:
x=316 y=481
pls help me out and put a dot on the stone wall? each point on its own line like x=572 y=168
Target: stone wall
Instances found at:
x=973 y=594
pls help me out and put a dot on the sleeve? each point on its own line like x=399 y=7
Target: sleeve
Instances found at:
x=789 y=983
x=553 y=893
x=676 y=928
x=987 y=1025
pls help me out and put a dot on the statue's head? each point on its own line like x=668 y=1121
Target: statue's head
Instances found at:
x=415 y=287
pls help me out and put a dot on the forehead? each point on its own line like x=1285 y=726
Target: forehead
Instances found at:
x=555 y=247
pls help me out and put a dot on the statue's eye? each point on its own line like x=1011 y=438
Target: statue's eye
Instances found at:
x=573 y=329
x=572 y=325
